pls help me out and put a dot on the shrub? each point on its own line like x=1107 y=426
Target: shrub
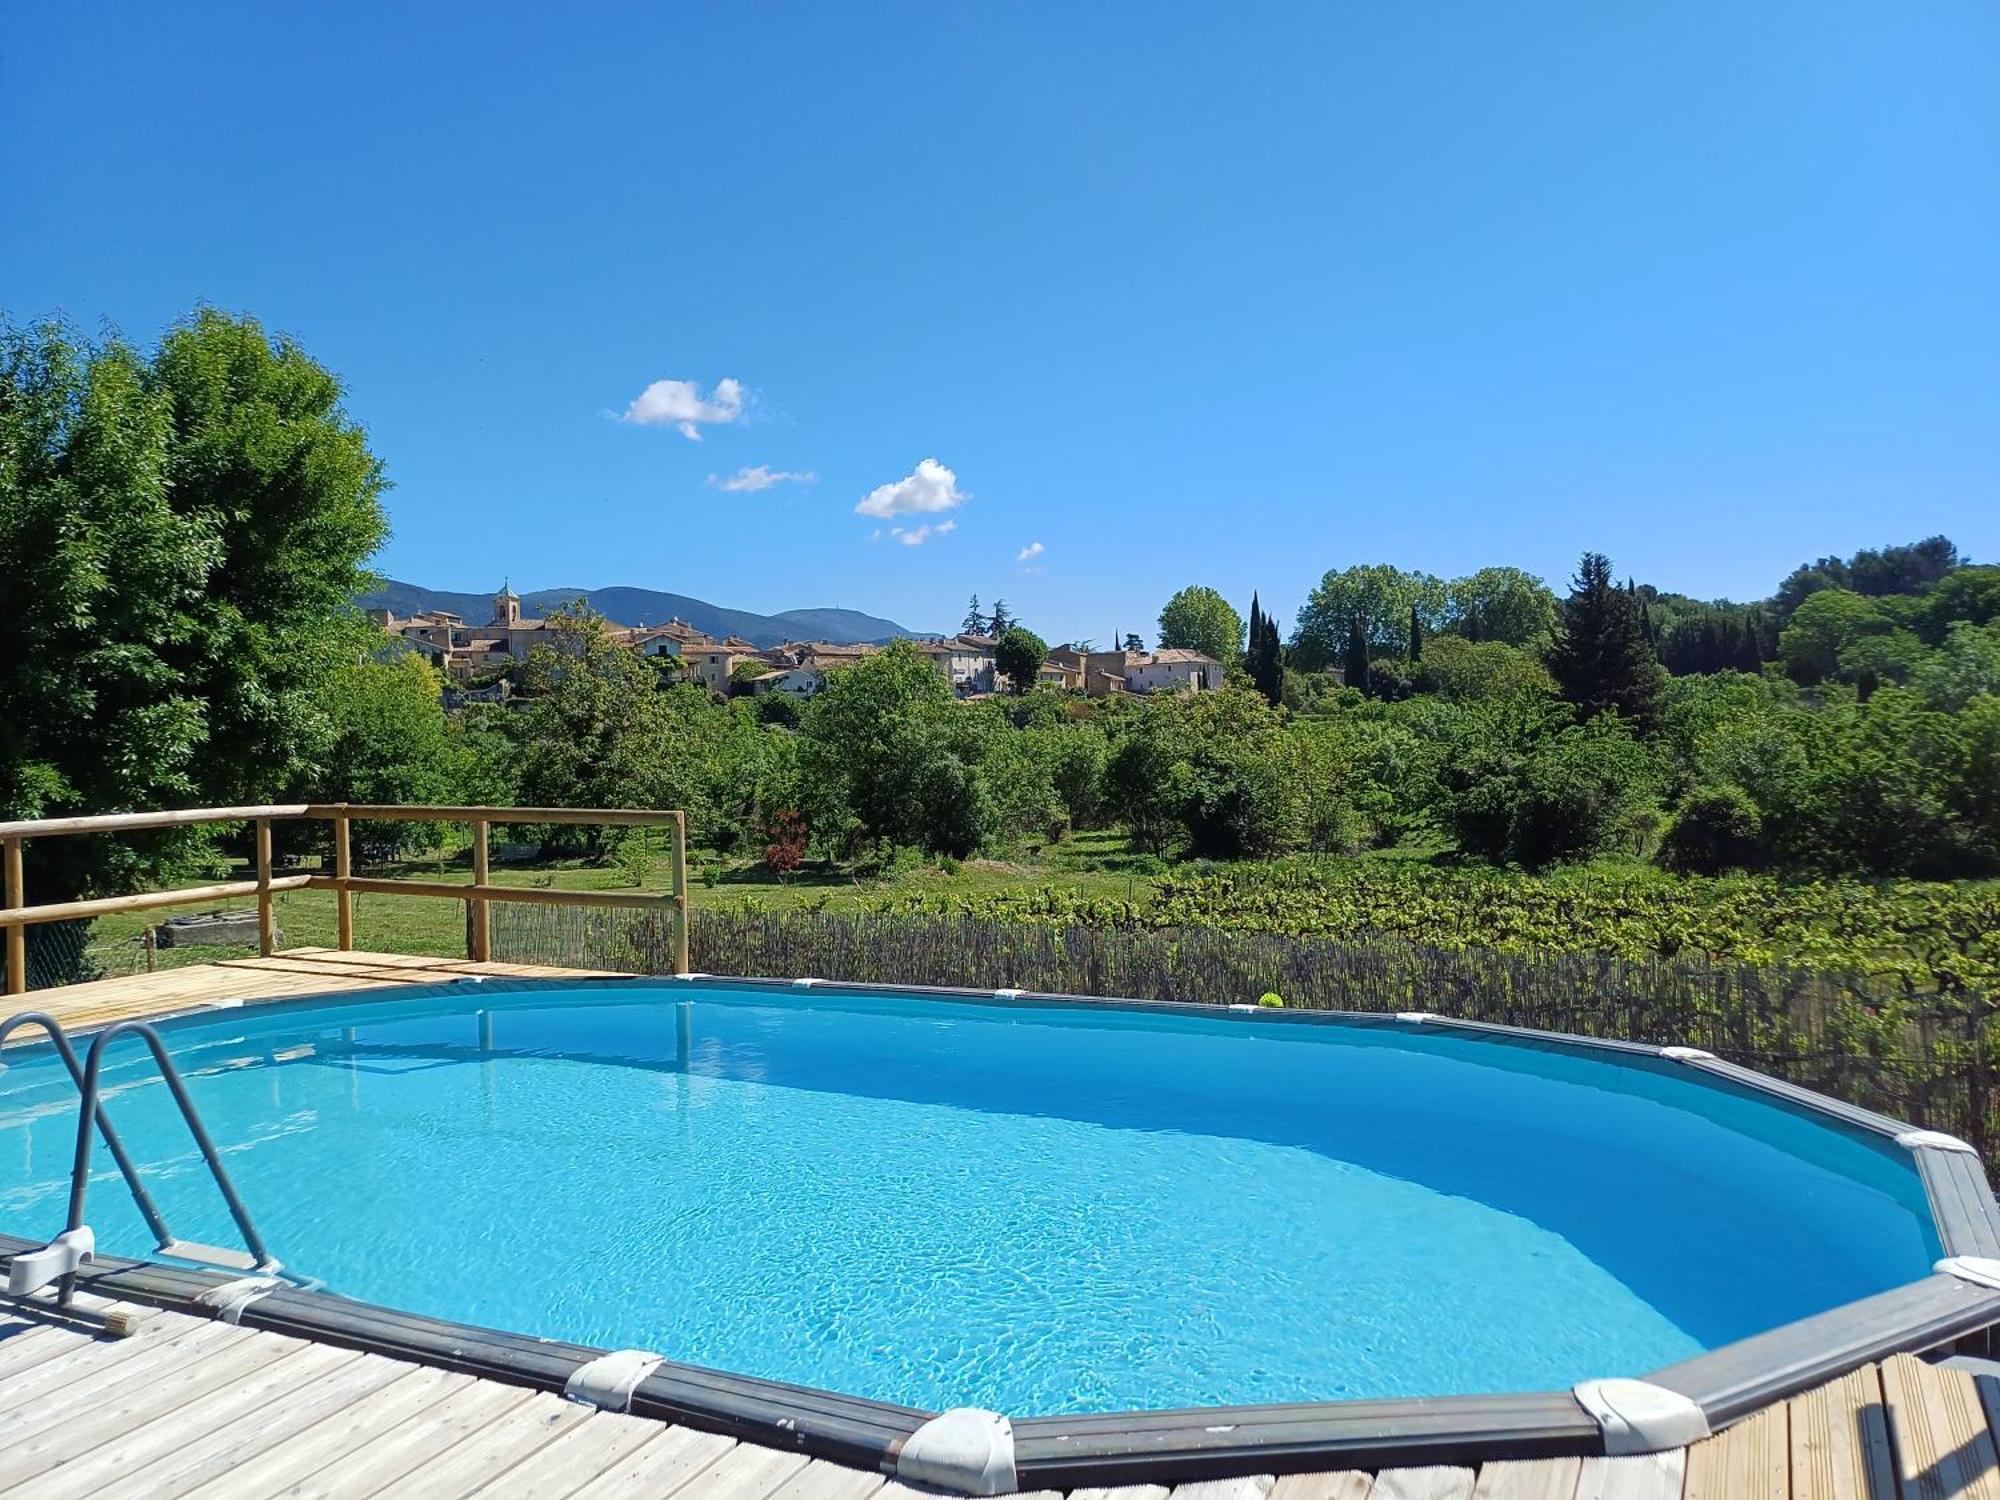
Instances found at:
x=1718 y=828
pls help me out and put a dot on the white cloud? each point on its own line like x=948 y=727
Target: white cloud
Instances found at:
x=930 y=488
x=1030 y=552
x=752 y=478
x=678 y=403
x=916 y=536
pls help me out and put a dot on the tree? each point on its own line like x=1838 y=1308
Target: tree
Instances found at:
x=184 y=534
x=1200 y=619
x=1501 y=604
x=1416 y=637
x=996 y=625
x=1381 y=596
x=597 y=733
x=393 y=744
x=1132 y=643
x=1265 y=657
x=1827 y=624
x=864 y=739
x=1355 y=673
x=974 y=622
x=1600 y=658
x=1018 y=656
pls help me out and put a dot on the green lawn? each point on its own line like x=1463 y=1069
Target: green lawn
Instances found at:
x=1091 y=864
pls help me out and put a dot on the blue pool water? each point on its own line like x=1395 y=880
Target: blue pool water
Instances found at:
x=1033 y=1209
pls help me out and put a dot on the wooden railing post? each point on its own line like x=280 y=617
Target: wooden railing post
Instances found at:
x=267 y=926
x=681 y=965
x=17 y=937
x=479 y=937
x=343 y=898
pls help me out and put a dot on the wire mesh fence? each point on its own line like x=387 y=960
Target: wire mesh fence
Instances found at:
x=1912 y=1056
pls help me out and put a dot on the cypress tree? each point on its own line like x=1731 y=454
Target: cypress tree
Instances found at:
x=1416 y=637
x=1263 y=658
x=1357 y=655
x=1601 y=658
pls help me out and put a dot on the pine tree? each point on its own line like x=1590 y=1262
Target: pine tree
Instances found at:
x=1601 y=658
x=1416 y=637
x=1357 y=654
x=997 y=625
x=974 y=622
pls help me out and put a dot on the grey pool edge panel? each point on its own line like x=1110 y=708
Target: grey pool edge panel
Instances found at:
x=1124 y=1447
x=1744 y=1377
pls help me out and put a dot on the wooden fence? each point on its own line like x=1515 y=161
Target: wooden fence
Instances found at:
x=16 y=916
x=1915 y=1057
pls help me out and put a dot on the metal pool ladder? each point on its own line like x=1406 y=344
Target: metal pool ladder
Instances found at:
x=59 y=1260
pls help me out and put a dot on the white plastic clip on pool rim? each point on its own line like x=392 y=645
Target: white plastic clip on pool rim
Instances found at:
x=1935 y=1140
x=229 y=1298
x=1637 y=1416
x=966 y=1449
x=1980 y=1270
x=1416 y=1017
x=1686 y=1054
x=608 y=1381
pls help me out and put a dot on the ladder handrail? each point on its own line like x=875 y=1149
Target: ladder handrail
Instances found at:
x=79 y=1180
x=66 y=1050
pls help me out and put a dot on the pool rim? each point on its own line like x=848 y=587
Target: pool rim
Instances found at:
x=1062 y=1452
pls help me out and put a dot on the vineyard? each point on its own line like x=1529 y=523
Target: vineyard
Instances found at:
x=1889 y=939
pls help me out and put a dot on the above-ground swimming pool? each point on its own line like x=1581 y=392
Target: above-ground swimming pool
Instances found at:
x=1030 y=1208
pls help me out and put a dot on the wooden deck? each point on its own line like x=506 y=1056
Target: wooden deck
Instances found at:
x=289 y=975
x=188 y=1406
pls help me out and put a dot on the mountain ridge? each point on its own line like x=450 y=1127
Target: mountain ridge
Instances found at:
x=625 y=604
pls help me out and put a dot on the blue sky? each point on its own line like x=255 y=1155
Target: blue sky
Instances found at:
x=1225 y=293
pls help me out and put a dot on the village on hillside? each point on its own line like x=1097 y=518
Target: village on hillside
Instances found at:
x=479 y=660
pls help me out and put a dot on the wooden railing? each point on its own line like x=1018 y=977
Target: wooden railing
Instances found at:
x=16 y=916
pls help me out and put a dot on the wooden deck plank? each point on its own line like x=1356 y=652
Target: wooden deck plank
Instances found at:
x=106 y=1417
x=26 y=1345
x=1249 y=1487
x=1130 y=1492
x=296 y=972
x=205 y=1457
x=821 y=1480
x=576 y=1457
x=658 y=1467
x=1432 y=1482
x=53 y=1387
x=338 y=1433
x=386 y=1462
x=1749 y=1461
x=1642 y=1476
x=1943 y=1446
x=1840 y=1441
x=745 y=1472
x=1335 y=1484
x=1528 y=1479
x=497 y=1447
x=170 y=1433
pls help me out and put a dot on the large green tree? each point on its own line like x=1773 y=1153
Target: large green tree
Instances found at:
x=1600 y=658
x=1200 y=619
x=184 y=532
x=1381 y=597
x=1018 y=655
x=1509 y=605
